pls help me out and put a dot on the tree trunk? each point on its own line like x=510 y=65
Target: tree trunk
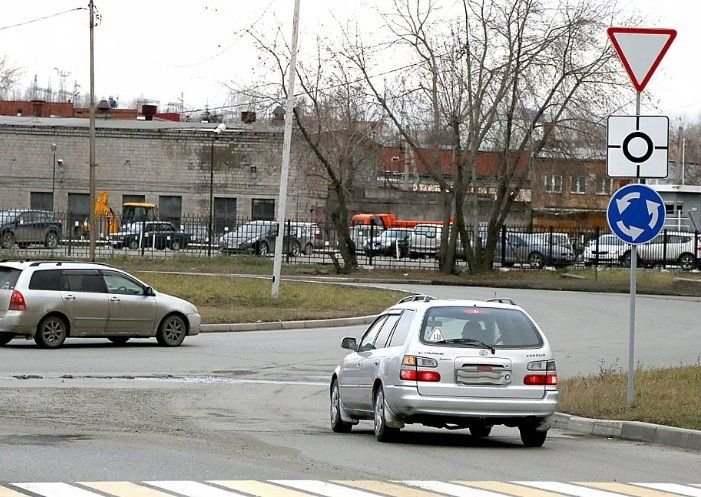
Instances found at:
x=346 y=246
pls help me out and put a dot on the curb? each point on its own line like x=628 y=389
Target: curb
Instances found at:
x=286 y=325
x=629 y=430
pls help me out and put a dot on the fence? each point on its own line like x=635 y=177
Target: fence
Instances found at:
x=36 y=234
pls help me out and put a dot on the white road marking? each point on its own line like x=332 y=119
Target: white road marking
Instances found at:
x=55 y=489
x=567 y=488
x=193 y=489
x=451 y=489
x=323 y=488
x=673 y=488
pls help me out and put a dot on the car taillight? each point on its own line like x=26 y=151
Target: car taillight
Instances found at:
x=17 y=302
x=540 y=379
x=410 y=371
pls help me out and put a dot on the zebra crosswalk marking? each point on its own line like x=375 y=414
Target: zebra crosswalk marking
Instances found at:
x=451 y=489
x=123 y=489
x=674 y=488
x=56 y=489
x=626 y=489
x=324 y=488
x=508 y=489
x=193 y=489
x=8 y=492
x=384 y=488
x=568 y=489
x=259 y=489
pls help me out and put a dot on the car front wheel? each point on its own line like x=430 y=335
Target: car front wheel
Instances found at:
x=171 y=331
x=263 y=249
x=337 y=423
x=175 y=245
x=51 y=240
x=536 y=260
x=133 y=244
x=687 y=262
x=51 y=332
x=383 y=433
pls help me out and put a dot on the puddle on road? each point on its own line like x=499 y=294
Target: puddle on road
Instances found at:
x=207 y=379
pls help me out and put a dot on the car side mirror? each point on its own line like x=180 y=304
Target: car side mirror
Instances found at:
x=148 y=291
x=349 y=343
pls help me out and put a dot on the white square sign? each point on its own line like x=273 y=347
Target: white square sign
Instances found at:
x=637 y=146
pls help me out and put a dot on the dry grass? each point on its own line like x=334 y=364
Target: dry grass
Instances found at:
x=222 y=299
x=669 y=396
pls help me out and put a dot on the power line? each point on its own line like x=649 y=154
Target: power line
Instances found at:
x=42 y=18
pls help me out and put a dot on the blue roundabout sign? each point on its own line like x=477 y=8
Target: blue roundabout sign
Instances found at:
x=636 y=213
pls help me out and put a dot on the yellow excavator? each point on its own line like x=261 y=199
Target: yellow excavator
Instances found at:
x=108 y=222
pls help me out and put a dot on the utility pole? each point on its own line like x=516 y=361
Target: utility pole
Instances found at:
x=287 y=142
x=92 y=132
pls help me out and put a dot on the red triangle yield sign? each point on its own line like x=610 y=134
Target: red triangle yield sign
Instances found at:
x=641 y=50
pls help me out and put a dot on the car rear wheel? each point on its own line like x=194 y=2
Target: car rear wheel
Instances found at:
x=171 y=331
x=51 y=240
x=133 y=244
x=118 y=340
x=532 y=437
x=51 y=332
x=308 y=249
x=5 y=338
x=383 y=433
x=480 y=431
x=7 y=240
x=296 y=249
x=687 y=262
x=263 y=249
x=536 y=260
x=175 y=245
x=337 y=423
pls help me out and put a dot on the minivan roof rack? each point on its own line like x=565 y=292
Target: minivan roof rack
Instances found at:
x=60 y=262
x=416 y=298
x=503 y=300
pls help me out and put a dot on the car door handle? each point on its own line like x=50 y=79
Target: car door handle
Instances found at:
x=377 y=363
x=70 y=297
x=359 y=363
x=114 y=299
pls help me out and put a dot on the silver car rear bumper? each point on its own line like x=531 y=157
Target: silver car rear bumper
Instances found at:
x=405 y=402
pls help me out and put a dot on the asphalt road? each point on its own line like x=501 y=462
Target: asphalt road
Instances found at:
x=253 y=406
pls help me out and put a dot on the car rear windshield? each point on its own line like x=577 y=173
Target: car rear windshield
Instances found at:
x=497 y=327
x=8 y=278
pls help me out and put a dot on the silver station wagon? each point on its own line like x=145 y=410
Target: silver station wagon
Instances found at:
x=448 y=364
x=52 y=300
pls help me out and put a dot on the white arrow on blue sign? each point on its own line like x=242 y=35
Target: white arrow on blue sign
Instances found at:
x=636 y=213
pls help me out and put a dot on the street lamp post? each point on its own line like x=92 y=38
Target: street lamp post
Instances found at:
x=53 y=180
x=217 y=132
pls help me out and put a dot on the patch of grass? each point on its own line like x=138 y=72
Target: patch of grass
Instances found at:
x=222 y=299
x=670 y=396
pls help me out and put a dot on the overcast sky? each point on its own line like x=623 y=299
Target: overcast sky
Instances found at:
x=162 y=49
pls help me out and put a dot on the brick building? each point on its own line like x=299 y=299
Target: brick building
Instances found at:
x=167 y=163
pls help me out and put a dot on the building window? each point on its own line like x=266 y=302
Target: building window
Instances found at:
x=674 y=209
x=579 y=185
x=42 y=201
x=170 y=208
x=553 y=183
x=224 y=214
x=133 y=198
x=263 y=209
x=604 y=186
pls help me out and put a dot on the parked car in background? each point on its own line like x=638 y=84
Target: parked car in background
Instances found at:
x=26 y=227
x=310 y=236
x=361 y=233
x=609 y=249
x=447 y=364
x=532 y=249
x=675 y=248
x=394 y=242
x=151 y=234
x=425 y=240
x=259 y=237
x=50 y=301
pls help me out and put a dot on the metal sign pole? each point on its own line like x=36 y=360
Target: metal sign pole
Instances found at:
x=630 y=395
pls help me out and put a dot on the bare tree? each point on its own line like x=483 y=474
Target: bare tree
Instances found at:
x=337 y=123
x=489 y=77
x=8 y=78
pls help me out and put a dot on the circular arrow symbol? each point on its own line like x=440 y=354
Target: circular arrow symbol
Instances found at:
x=637 y=159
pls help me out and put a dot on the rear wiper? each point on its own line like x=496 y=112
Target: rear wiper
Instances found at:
x=468 y=341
